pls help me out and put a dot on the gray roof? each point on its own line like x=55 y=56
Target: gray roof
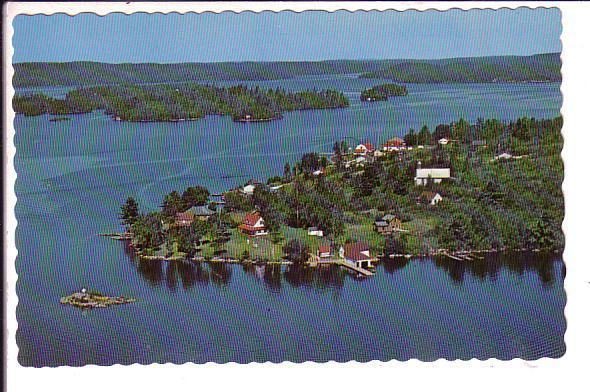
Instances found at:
x=381 y=223
x=388 y=217
x=201 y=211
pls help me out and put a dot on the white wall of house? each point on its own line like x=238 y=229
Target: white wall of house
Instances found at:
x=437 y=198
x=423 y=176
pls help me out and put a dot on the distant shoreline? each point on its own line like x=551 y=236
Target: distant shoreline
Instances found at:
x=544 y=66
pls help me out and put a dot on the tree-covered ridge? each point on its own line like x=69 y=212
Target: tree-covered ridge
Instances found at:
x=382 y=92
x=477 y=69
x=181 y=102
x=536 y=68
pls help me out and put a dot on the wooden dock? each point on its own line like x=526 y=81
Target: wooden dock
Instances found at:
x=361 y=271
x=316 y=261
x=461 y=256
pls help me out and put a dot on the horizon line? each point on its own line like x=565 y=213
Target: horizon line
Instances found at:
x=285 y=61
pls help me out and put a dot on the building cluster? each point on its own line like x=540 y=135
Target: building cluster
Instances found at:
x=357 y=253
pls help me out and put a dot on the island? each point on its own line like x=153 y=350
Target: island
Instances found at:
x=87 y=299
x=382 y=92
x=455 y=191
x=190 y=101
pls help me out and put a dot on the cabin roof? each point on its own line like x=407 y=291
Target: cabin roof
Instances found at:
x=252 y=219
x=354 y=251
x=201 y=211
x=388 y=217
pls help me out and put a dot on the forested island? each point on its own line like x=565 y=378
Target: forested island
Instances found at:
x=180 y=102
x=502 y=192
x=382 y=92
x=539 y=67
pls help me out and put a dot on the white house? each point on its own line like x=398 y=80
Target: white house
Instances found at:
x=314 y=231
x=443 y=142
x=431 y=198
x=249 y=189
x=253 y=225
x=436 y=175
x=364 y=149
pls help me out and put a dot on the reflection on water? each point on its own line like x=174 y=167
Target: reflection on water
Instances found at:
x=187 y=273
x=489 y=267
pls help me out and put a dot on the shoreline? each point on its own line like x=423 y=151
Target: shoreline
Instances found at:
x=457 y=255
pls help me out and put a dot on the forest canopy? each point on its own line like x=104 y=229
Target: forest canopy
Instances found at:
x=180 y=102
x=382 y=92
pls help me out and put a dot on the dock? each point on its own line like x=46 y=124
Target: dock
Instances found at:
x=117 y=236
x=316 y=261
x=361 y=271
x=461 y=256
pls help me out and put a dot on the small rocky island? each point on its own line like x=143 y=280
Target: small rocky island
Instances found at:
x=93 y=299
x=382 y=92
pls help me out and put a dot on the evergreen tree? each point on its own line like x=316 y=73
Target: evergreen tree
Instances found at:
x=129 y=212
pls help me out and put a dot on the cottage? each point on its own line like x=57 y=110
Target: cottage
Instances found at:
x=431 y=198
x=187 y=217
x=357 y=254
x=394 y=144
x=201 y=212
x=364 y=149
x=249 y=189
x=184 y=218
x=388 y=224
x=324 y=252
x=314 y=231
x=253 y=225
x=436 y=175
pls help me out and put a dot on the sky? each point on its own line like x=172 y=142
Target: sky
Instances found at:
x=285 y=36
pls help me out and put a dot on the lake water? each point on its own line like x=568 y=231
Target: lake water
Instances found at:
x=74 y=175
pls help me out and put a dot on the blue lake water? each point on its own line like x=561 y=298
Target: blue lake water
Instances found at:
x=74 y=175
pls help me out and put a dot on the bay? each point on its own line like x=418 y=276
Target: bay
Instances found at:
x=73 y=176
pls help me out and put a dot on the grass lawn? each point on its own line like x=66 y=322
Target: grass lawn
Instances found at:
x=258 y=247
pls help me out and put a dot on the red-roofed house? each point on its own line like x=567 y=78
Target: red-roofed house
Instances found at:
x=357 y=253
x=364 y=149
x=253 y=225
x=394 y=144
x=184 y=218
x=324 y=251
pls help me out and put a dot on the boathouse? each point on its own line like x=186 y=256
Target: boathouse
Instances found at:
x=357 y=254
x=324 y=252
